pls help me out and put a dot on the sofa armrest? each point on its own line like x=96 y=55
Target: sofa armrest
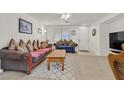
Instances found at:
x=76 y=45
x=12 y=54
x=55 y=44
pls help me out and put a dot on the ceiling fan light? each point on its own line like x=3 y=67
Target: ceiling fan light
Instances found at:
x=67 y=16
x=63 y=16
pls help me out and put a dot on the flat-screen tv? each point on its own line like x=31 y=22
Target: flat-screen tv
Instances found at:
x=115 y=40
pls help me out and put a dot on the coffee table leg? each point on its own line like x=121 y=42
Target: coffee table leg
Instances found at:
x=62 y=64
x=48 y=65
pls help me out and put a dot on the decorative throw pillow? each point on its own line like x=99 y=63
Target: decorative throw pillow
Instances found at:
x=22 y=44
x=44 y=45
x=35 y=45
x=13 y=45
x=71 y=43
x=60 y=42
x=29 y=46
x=20 y=49
x=65 y=42
x=38 y=44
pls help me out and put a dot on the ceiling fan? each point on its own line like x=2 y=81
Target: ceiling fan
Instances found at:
x=65 y=17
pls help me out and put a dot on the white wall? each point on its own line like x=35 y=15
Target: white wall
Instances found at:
x=104 y=39
x=94 y=41
x=43 y=34
x=9 y=28
x=54 y=33
x=99 y=44
x=115 y=25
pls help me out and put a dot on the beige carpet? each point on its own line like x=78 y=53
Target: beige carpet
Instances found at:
x=89 y=67
x=77 y=67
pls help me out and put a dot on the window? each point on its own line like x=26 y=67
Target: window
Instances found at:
x=65 y=35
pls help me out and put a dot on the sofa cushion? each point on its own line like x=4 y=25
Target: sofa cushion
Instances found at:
x=59 y=43
x=13 y=45
x=70 y=49
x=65 y=42
x=39 y=50
x=47 y=49
x=36 y=56
x=63 y=46
x=35 y=45
x=29 y=46
x=22 y=44
x=44 y=45
x=20 y=49
x=38 y=44
x=44 y=50
x=71 y=43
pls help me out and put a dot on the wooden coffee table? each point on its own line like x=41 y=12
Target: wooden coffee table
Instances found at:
x=56 y=56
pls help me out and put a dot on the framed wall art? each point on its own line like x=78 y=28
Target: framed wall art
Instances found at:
x=73 y=32
x=25 y=26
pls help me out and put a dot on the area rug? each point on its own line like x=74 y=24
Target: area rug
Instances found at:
x=55 y=72
x=41 y=72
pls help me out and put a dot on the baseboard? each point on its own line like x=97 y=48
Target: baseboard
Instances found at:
x=83 y=50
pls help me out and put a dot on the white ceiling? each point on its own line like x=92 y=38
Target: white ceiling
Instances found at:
x=76 y=19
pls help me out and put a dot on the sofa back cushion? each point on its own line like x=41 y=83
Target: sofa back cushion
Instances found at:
x=65 y=42
x=13 y=45
x=59 y=43
x=22 y=44
x=38 y=44
x=44 y=45
x=20 y=49
x=29 y=46
x=71 y=43
x=35 y=45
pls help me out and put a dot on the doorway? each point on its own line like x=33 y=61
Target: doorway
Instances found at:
x=83 y=39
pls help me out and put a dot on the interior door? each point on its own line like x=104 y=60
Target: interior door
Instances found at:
x=83 y=39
